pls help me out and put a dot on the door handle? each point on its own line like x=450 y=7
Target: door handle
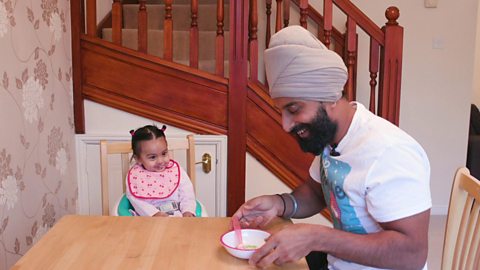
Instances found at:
x=206 y=163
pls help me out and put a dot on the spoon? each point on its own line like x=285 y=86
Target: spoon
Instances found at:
x=238 y=232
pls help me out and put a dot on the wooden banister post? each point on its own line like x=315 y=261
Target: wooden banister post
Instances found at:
x=237 y=105
x=268 y=31
x=286 y=12
x=220 y=40
x=194 y=38
x=168 y=31
x=351 y=58
x=78 y=22
x=327 y=21
x=303 y=13
x=91 y=18
x=391 y=68
x=278 y=16
x=142 y=27
x=253 y=41
x=373 y=68
x=117 y=22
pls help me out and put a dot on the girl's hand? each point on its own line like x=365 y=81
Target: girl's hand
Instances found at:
x=188 y=214
x=160 y=214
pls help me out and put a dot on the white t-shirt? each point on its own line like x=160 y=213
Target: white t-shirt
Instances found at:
x=382 y=174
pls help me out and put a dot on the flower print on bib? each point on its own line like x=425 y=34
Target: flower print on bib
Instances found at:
x=145 y=184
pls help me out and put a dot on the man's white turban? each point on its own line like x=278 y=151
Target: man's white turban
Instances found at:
x=298 y=65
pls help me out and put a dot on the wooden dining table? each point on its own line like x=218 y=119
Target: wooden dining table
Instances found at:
x=108 y=242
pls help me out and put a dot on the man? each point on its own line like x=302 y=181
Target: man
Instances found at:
x=372 y=176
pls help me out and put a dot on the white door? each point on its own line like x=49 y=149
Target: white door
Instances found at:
x=211 y=186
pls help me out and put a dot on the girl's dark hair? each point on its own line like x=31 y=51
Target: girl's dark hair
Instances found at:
x=145 y=133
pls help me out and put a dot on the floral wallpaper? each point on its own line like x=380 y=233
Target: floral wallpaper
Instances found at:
x=37 y=159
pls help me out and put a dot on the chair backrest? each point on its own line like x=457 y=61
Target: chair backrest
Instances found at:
x=176 y=146
x=462 y=235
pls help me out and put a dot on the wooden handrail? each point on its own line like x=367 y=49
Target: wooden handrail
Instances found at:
x=361 y=19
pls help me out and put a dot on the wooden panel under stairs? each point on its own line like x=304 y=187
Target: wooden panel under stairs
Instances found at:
x=270 y=144
x=129 y=81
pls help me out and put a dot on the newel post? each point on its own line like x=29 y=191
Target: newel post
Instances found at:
x=237 y=105
x=391 y=68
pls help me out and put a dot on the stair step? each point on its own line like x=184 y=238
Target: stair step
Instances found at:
x=180 y=15
x=181 y=43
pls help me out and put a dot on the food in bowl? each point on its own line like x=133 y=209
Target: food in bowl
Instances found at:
x=252 y=240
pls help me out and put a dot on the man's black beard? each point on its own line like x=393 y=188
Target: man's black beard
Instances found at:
x=321 y=133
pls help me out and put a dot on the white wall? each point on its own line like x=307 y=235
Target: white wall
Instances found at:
x=437 y=84
x=476 y=90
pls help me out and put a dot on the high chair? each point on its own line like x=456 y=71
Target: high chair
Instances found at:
x=462 y=235
x=123 y=207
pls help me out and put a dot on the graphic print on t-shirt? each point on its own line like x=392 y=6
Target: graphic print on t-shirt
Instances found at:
x=333 y=179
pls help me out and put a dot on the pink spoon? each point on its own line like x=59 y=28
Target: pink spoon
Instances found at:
x=238 y=232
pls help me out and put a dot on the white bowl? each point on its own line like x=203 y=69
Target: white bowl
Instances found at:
x=252 y=240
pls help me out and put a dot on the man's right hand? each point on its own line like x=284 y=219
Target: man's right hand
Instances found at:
x=259 y=211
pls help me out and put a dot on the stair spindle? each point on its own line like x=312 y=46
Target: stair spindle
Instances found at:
x=168 y=32
x=253 y=42
x=268 y=12
x=91 y=18
x=303 y=13
x=142 y=27
x=278 y=17
x=373 y=67
x=194 y=38
x=286 y=13
x=351 y=57
x=117 y=22
x=219 y=40
x=327 y=21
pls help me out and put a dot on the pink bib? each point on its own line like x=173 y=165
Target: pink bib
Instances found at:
x=153 y=185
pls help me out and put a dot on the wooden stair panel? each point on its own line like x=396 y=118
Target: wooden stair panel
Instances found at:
x=272 y=146
x=180 y=16
x=131 y=83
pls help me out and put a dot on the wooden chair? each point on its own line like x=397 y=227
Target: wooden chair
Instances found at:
x=462 y=235
x=176 y=146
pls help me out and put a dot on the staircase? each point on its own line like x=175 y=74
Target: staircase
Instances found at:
x=181 y=14
x=160 y=75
